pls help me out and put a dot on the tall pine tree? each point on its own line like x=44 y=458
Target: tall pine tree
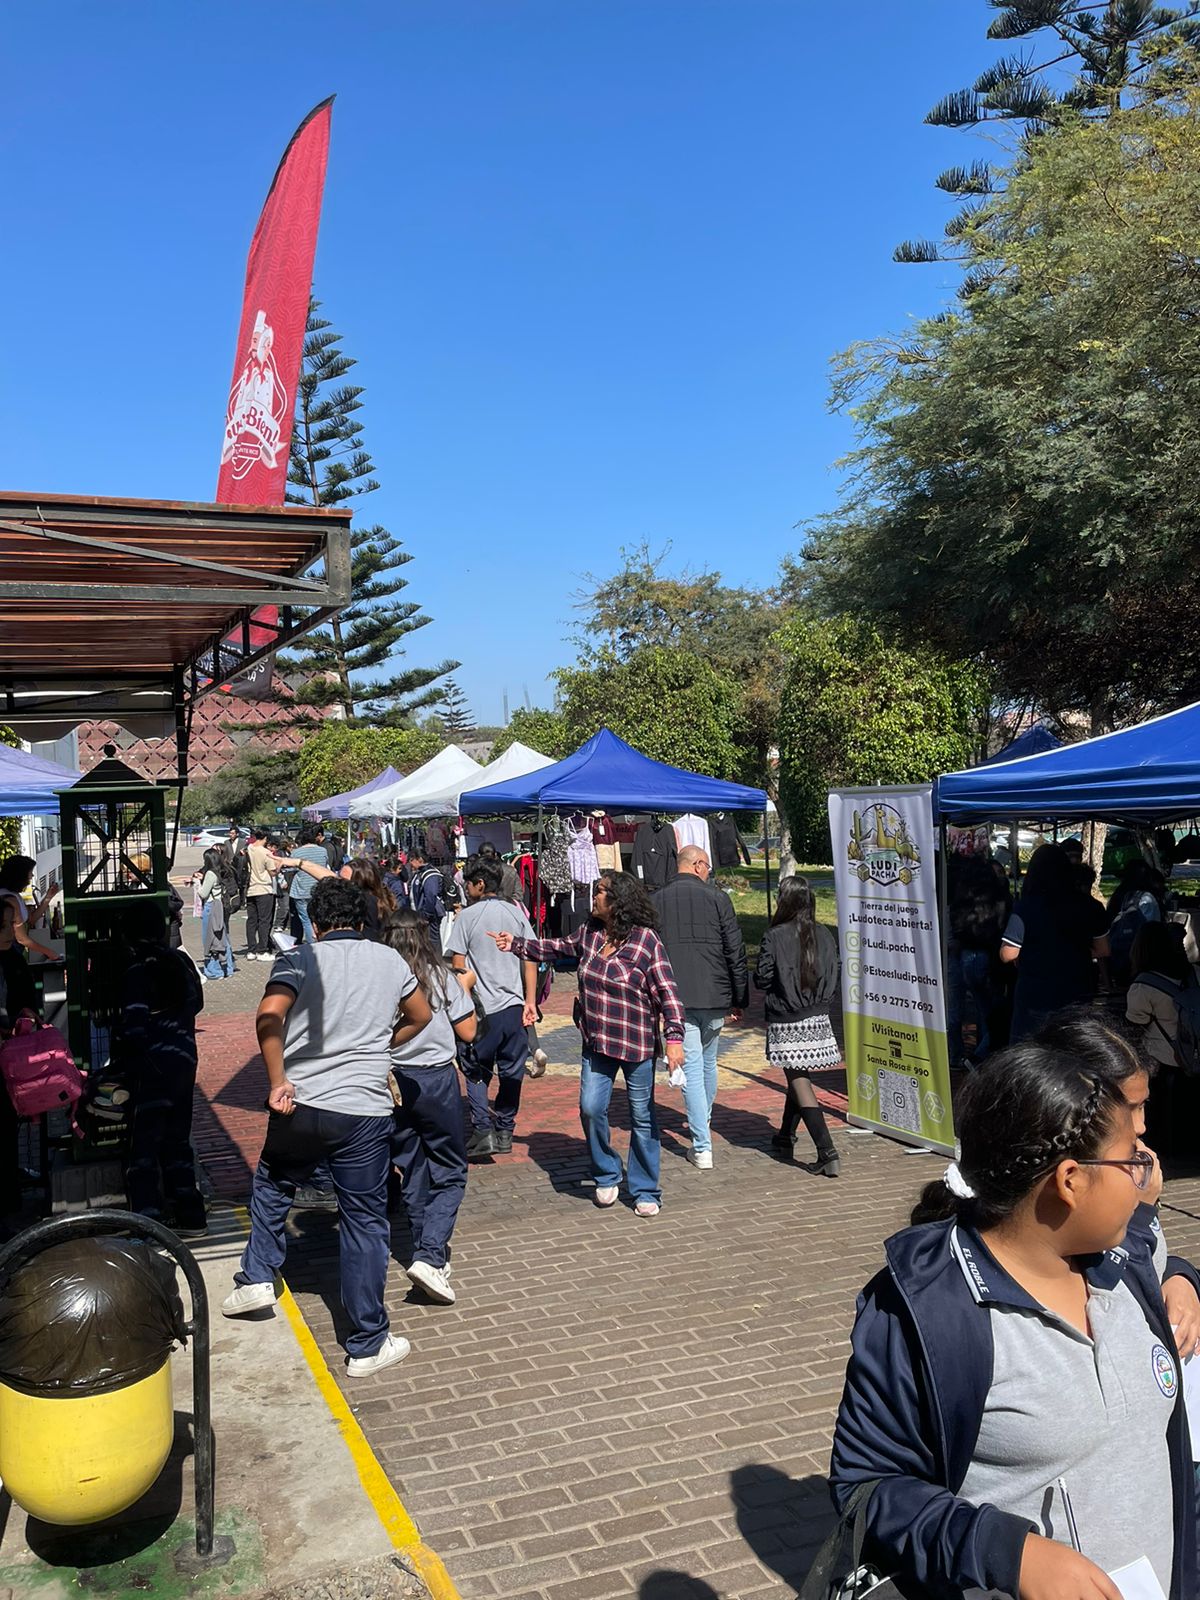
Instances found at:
x=454 y=711
x=1108 y=48
x=329 y=465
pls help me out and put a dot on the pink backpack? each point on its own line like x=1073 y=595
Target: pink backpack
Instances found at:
x=38 y=1069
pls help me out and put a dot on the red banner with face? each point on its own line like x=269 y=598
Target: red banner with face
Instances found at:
x=266 y=369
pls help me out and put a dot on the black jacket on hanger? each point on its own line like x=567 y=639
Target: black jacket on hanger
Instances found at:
x=654 y=854
x=728 y=848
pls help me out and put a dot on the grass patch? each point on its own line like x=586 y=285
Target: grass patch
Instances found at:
x=748 y=890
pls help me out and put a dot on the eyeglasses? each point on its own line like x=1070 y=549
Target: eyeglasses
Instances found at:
x=1139 y=1167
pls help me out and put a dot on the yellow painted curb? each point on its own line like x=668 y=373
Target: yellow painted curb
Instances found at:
x=377 y=1486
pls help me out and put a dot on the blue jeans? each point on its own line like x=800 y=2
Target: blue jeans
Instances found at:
x=969 y=978
x=212 y=967
x=429 y=1145
x=701 y=1036
x=300 y=907
x=501 y=1045
x=357 y=1151
x=595 y=1092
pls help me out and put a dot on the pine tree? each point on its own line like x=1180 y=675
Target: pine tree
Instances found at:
x=454 y=712
x=329 y=465
x=1111 y=47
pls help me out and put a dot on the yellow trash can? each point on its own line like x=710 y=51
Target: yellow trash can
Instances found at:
x=86 y=1419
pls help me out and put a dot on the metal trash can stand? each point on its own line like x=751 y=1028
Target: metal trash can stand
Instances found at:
x=88 y=1320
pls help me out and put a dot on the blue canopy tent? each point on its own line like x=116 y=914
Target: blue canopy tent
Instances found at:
x=610 y=773
x=29 y=785
x=1033 y=742
x=1148 y=774
x=337 y=807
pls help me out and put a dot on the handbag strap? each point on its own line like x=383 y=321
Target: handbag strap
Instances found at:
x=819 y=1584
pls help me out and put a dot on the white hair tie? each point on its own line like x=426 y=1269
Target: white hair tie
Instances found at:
x=956 y=1183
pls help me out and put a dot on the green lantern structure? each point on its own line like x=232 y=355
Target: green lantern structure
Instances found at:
x=114 y=854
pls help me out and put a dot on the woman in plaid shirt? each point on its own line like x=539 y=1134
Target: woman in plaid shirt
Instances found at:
x=625 y=986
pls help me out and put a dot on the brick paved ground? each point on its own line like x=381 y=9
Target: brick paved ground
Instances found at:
x=614 y=1407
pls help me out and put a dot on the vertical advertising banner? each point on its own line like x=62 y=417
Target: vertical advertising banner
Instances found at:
x=894 y=1013
x=270 y=345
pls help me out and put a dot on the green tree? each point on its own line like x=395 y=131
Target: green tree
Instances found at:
x=341 y=757
x=248 y=788
x=733 y=629
x=670 y=704
x=543 y=731
x=858 y=710
x=1024 y=490
x=1091 y=57
x=329 y=464
x=454 y=712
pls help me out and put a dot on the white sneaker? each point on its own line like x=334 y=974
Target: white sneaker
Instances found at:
x=536 y=1065
x=393 y=1349
x=701 y=1159
x=435 y=1281
x=249 y=1297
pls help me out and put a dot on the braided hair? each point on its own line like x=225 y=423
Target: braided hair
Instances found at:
x=1052 y=1098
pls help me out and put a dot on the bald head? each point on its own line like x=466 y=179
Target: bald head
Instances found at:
x=693 y=860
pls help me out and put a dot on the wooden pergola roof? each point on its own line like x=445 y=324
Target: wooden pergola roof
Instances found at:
x=148 y=589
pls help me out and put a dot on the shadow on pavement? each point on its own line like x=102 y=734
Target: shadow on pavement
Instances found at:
x=784 y=1520
x=675 y=1586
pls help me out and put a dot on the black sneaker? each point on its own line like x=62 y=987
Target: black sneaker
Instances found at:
x=481 y=1145
x=503 y=1142
x=307 y=1198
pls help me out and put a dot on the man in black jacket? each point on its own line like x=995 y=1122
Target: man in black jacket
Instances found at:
x=699 y=928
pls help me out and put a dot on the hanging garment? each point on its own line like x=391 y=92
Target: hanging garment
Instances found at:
x=581 y=854
x=727 y=844
x=604 y=837
x=554 y=865
x=655 y=854
x=691 y=829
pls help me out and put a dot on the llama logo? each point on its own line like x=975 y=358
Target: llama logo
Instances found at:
x=881 y=848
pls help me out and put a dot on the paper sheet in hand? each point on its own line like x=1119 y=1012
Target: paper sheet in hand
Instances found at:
x=1137 y=1581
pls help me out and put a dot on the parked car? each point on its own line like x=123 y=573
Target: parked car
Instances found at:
x=205 y=838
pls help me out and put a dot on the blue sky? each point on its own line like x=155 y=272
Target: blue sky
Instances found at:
x=593 y=257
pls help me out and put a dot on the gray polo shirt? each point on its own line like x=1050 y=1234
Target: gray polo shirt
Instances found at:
x=1091 y=1411
x=338 y=1035
x=499 y=972
x=436 y=1044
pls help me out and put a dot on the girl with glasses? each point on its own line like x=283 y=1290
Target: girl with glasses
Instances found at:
x=1013 y=1410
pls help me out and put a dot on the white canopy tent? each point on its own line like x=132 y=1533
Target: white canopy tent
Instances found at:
x=516 y=762
x=430 y=791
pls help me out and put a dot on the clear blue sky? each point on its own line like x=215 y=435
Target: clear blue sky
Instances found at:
x=593 y=257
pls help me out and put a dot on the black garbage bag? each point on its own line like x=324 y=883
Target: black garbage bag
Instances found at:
x=87 y=1317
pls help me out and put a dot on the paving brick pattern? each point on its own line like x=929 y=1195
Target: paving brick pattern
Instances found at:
x=615 y=1407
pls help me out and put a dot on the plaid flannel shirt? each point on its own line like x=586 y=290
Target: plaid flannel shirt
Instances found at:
x=619 y=994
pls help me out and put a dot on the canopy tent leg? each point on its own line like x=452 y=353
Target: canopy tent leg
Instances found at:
x=767 y=859
x=943 y=905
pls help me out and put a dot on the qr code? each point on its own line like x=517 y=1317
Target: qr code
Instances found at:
x=899 y=1101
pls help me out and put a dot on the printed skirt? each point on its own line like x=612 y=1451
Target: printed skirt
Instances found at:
x=803 y=1047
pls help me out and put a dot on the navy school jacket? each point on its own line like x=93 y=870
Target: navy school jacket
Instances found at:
x=919 y=1374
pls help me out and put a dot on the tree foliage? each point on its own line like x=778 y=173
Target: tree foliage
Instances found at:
x=858 y=710
x=1088 y=58
x=543 y=731
x=10 y=827
x=341 y=757
x=670 y=704
x=1025 y=489
x=454 y=712
x=734 y=630
x=249 y=787
x=329 y=464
